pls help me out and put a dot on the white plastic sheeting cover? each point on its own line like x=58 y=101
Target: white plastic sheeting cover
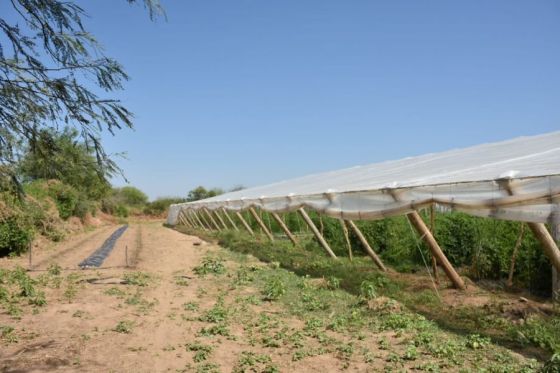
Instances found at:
x=517 y=179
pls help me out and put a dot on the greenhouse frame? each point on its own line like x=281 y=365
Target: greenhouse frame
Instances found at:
x=517 y=180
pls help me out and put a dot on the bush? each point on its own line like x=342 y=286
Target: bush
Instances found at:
x=44 y=217
x=124 y=201
x=65 y=197
x=69 y=202
x=121 y=211
x=160 y=205
x=15 y=236
x=83 y=207
x=132 y=196
x=16 y=230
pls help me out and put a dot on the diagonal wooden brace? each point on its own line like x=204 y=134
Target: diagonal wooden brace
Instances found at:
x=209 y=215
x=245 y=224
x=316 y=232
x=261 y=224
x=284 y=228
x=216 y=212
x=229 y=219
x=376 y=259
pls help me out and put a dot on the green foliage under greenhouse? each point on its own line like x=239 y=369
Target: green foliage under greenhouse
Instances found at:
x=481 y=247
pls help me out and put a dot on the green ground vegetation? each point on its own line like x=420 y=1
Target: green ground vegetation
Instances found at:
x=535 y=333
x=481 y=247
x=343 y=309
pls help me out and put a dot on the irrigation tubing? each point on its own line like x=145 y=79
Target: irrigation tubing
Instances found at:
x=99 y=255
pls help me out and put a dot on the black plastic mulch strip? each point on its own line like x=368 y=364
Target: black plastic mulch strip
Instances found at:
x=97 y=258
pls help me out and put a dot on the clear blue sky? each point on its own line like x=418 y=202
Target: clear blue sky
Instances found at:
x=251 y=92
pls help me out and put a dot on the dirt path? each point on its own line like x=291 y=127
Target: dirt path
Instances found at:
x=163 y=315
x=78 y=331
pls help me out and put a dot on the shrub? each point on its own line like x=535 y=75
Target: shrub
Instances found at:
x=69 y=202
x=124 y=201
x=274 y=289
x=65 y=197
x=132 y=196
x=121 y=211
x=160 y=205
x=16 y=230
x=15 y=236
x=124 y=327
x=210 y=265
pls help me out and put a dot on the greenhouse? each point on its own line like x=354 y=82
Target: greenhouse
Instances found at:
x=516 y=180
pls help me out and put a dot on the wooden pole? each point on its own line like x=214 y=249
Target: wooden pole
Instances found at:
x=195 y=214
x=216 y=212
x=126 y=255
x=284 y=228
x=188 y=219
x=433 y=230
x=417 y=222
x=376 y=259
x=30 y=256
x=346 y=238
x=261 y=224
x=547 y=242
x=205 y=220
x=230 y=219
x=180 y=218
x=197 y=224
x=422 y=229
x=541 y=233
x=211 y=219
x=245 y=224
x=316 y=232
x=555 y=277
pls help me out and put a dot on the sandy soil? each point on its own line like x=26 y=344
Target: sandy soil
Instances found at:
x=80 y=334
x=108 y=325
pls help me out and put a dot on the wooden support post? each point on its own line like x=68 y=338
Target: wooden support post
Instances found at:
x=547 y=242
x=555 y=272
x=261 y=224
x=541 y=233
x=209 y=215
x=376 y=259
x=197 y=218
x=245 y=224
x=202 y=215
x=284 y=228
x=417 y=222
x=184 y=220
x=346 y=238
x=180 y=219
x=217 y=213
x=188 y=218
x=30 y=248
x=230 y=219
x=197 y=223
x=433 y=230
x=422 y=229
x=316 y=232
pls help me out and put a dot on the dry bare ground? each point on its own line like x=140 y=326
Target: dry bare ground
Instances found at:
x=186 y=305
